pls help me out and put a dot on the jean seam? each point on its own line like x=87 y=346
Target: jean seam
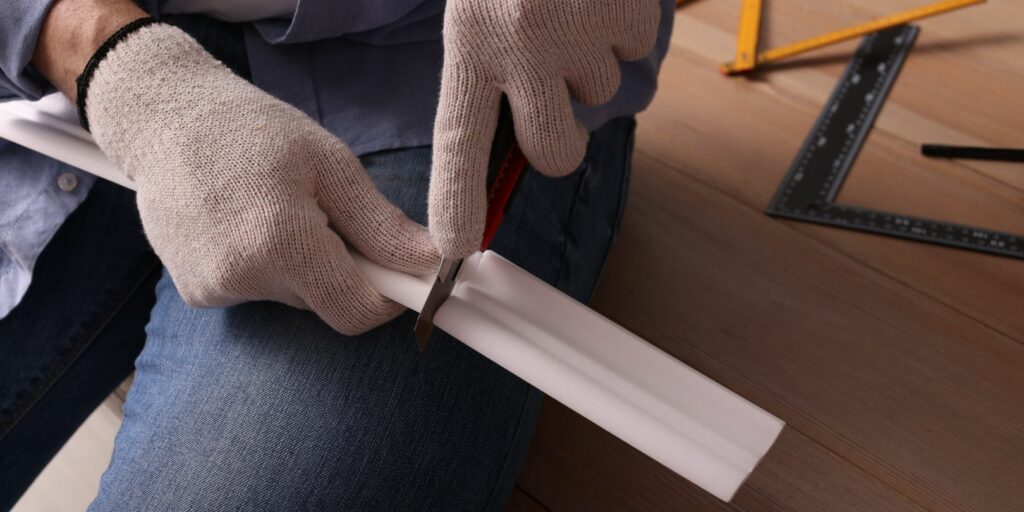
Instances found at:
x=620 y=208
x=80 y=343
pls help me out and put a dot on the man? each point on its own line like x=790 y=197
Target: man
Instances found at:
x=273 y=376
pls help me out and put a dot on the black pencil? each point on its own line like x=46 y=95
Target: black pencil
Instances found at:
x=973 y=153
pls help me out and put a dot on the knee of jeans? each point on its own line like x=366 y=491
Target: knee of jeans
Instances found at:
x=264 y=405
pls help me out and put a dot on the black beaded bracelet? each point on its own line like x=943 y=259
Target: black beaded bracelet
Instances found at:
x=82 y=82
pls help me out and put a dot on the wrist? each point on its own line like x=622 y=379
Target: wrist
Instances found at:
x=72 y=32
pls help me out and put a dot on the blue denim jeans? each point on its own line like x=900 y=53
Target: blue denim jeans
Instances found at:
x=264 y=407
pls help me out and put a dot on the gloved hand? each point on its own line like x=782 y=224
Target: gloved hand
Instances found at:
x=242 y=196
x=540 y=53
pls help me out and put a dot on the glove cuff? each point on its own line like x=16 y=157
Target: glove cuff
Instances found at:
x=82 y=82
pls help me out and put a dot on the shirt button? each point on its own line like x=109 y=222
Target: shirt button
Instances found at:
x=67 y=182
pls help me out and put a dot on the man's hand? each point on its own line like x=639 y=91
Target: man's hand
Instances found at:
x=242 y=196
x=540 y=53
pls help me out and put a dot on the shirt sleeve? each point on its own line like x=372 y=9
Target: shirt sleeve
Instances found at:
x=19 y=31
x=378 y=22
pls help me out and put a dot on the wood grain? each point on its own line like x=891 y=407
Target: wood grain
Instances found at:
x=898 y=366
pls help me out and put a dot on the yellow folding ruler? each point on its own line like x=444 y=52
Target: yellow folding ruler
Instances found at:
x=747 y=36
x=747 y=57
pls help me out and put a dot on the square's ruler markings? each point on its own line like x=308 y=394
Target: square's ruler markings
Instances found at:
x=809 y=190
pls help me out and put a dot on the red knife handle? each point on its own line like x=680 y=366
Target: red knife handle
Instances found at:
x=505 y=168
x=502 y=190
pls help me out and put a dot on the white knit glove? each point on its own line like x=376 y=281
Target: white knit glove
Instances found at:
x=540 y=53
x=242 y=196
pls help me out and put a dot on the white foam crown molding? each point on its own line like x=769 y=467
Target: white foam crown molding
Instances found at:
x=667 y=410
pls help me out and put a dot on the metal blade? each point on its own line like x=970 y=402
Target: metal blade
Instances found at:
x=444 y=283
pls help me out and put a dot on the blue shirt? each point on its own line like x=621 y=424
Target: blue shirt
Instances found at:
x=367 y=70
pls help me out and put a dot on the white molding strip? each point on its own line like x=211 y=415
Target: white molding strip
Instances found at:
x=669 y=411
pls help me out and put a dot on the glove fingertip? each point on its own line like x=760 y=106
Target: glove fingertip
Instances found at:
x=559 y=158
x=453 y=245
x=456 y=213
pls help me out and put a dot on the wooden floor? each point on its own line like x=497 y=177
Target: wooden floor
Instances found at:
x=898 y=367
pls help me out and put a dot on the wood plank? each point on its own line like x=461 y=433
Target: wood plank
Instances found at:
x=747 y=155
x=981 y=44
